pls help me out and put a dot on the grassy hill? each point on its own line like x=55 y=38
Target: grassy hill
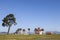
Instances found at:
x=29 y=37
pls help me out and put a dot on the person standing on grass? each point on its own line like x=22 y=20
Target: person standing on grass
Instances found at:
x=19 y=30
x=41 y=32
x=24 y=31
x=36 y=31
x=29 y=31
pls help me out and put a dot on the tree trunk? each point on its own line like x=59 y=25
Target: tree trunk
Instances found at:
x=8 y=29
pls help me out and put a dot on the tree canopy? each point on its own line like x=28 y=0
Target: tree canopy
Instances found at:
x=8 y=21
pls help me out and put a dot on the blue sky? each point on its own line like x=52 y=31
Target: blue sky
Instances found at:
x=32 y=14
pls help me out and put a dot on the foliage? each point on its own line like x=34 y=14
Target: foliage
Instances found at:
x=8 y=21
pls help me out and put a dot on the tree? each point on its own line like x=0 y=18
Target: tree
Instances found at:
x=24 y=31
x=29 y=30
x=8 y=21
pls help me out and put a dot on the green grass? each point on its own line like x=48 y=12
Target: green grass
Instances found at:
x=29 y=37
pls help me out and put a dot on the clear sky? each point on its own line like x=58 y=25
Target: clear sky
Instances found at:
x=32 y=14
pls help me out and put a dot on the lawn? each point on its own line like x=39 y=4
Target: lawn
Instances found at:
x=29 y=37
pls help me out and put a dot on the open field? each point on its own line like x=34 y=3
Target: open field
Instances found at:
x=29 y=37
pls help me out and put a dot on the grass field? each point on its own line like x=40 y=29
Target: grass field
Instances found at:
x=29 y=37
